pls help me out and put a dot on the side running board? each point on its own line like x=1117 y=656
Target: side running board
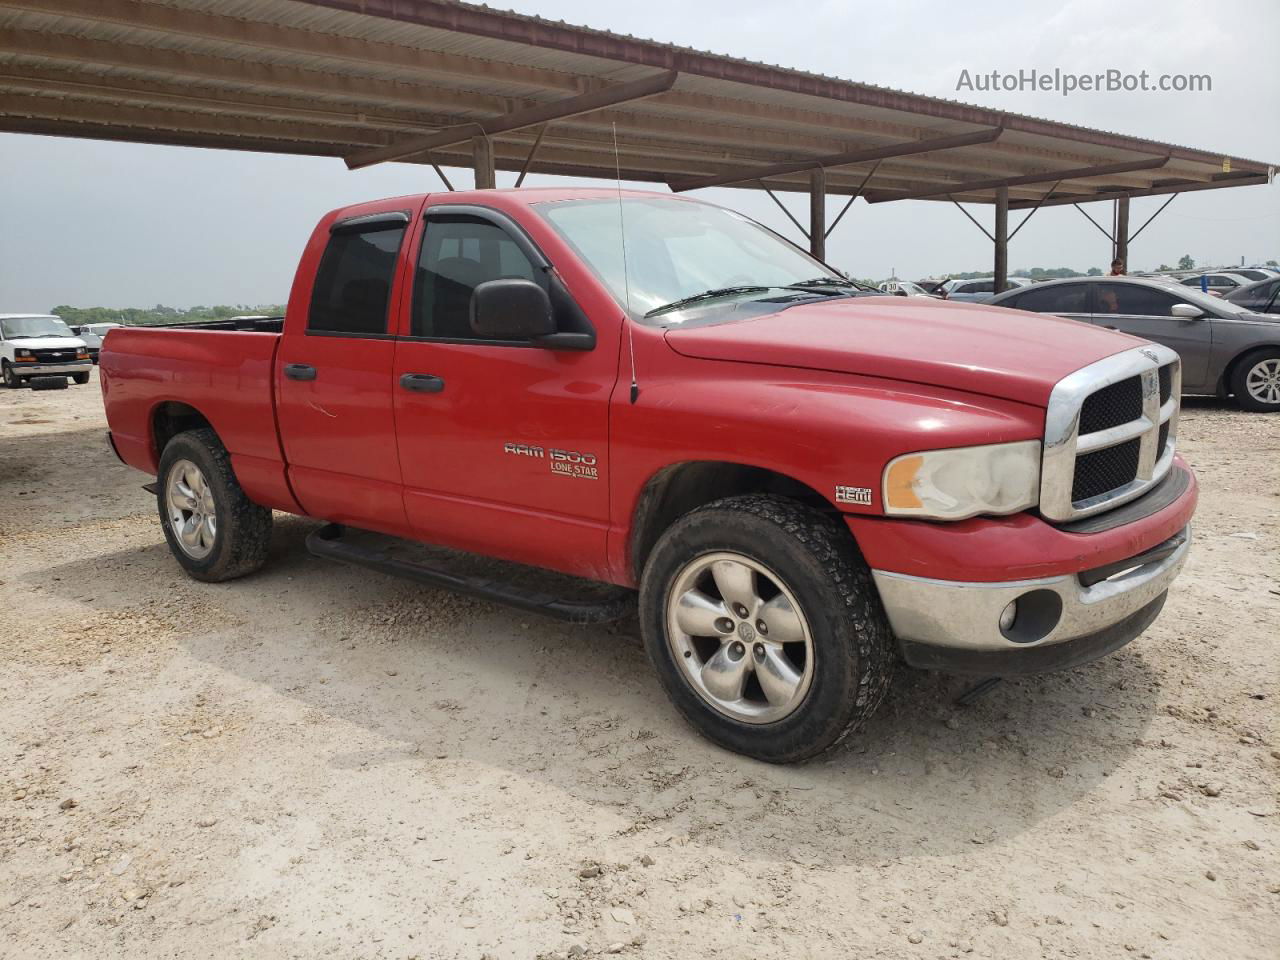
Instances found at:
x=557 y=595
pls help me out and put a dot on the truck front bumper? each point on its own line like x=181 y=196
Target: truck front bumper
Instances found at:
x=26 y=370
x=1029 y=626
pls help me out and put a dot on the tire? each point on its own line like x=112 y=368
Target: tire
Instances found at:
x=844 y=663
x=80 y=378
x=236 y=542
x=11 y=379
x=1255 y=380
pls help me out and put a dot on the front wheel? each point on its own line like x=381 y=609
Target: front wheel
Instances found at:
x=1256 y=381
x=80 y=378
x=214 y=531
x=11 y=379
x=765 y=627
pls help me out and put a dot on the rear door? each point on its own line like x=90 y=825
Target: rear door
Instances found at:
x=334 y=377
x=1070 y=300
x=505 y=450
x=1147 y=312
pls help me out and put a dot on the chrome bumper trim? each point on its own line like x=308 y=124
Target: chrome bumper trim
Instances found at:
x=33 y=369
x=962 y=615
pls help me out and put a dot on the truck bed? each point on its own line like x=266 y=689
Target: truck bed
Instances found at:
x=154 y=379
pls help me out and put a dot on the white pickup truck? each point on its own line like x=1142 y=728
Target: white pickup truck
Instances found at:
x=36 y=345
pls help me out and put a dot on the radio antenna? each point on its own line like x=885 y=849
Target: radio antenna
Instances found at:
x=626 y=277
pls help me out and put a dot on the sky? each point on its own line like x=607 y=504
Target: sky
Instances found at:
x=90 y=223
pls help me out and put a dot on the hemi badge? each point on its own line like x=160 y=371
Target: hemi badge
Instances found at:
x=859 y=495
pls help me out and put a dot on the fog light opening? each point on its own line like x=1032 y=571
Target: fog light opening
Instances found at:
x=1031 y=617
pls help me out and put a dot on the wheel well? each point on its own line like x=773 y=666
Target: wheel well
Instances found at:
x=675 y=490
x=172 y=418
x=1229 y=371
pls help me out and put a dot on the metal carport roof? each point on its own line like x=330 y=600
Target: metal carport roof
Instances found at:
x=459 y=85
x=337 y=77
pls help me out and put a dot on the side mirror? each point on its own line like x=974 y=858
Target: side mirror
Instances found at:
x=511 y=310
x=1186 y=311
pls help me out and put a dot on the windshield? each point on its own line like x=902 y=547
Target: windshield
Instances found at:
x=677 y=250
x=15 y=327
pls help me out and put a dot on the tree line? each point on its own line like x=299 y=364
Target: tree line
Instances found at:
x=160 y=314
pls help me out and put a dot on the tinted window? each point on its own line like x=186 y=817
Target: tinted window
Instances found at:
x=1133 y=300
x=1069 y=298
x=458 y=254
x=353 y=282
x=978 y=286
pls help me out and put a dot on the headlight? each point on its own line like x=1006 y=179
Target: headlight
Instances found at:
x=22 y=353
x=964 y=482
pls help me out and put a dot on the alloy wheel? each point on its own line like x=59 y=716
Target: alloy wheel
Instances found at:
x=192 y=513
x=740 y=638
x=1263 y=381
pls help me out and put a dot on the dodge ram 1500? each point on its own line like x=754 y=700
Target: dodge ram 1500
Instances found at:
x=804 y=482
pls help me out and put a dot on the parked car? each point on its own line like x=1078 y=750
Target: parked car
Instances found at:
x=1259 y=297
x=36 y=345
x=92 y=334
x=803 y=483
x=903 y=288
x=978 y=291
x=931 y=286
x=1218 y=284
x=1255 y=273
x=1225 y=348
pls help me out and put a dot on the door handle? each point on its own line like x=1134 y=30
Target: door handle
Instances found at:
x=299 y=371
x=421 y=382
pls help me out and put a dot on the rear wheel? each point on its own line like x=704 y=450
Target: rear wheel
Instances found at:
x=1256 y=381
x=214 y=531
x=765 y=628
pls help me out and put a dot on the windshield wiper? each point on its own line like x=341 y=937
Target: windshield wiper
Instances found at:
x=824 y=282
x=708 y=295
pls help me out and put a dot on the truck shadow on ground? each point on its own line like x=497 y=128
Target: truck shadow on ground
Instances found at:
x=578 y=708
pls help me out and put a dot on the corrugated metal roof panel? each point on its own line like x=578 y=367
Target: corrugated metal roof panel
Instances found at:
x=249 y=73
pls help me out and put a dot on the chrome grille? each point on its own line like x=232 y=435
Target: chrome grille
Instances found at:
x=55 y=354
x=1109 y=432
x=1111 y=406
x=1104 y=470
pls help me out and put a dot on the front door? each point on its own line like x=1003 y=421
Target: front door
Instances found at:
x=503 y=445
x=335 y=398
x=1147 y=312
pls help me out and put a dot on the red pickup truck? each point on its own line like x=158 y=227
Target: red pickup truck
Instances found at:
x=805 y=481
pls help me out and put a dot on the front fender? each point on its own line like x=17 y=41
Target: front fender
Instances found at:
x=823 y=430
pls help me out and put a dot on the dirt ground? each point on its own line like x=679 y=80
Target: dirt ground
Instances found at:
x=322 y=762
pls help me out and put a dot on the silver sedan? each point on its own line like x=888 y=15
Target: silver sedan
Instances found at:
x=1225 y=348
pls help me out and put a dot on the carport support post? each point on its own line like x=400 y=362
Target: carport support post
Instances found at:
x=1122 y=232
x=482 y=158
x=1002 y=239
x=818 y=213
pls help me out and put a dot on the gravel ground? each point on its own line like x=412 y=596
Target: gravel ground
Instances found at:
x=318 y=761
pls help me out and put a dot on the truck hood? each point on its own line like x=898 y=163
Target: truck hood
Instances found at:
x=994 y=351
x=46 y=343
